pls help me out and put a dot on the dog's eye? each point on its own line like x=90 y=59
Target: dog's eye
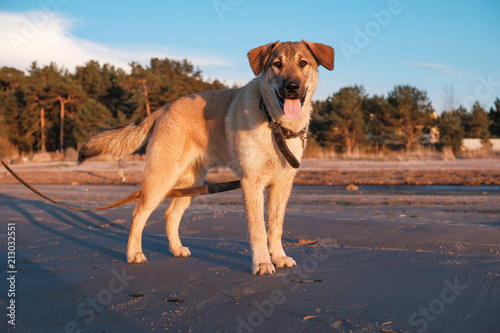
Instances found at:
x=277 y=64
x=302 y=63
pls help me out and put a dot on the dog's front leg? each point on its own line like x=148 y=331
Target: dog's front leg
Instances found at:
x=279 y=192
x=254 y=204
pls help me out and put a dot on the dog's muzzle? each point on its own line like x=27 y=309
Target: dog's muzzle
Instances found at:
x=292 y=101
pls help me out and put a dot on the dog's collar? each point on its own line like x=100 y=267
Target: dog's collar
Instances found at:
x=280 y=134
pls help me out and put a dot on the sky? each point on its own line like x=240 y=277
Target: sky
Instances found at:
x=432 y=45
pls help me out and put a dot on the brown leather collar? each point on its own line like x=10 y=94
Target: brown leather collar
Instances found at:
x=280 y=134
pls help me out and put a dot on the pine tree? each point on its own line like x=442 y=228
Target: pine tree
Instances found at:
x=480 y=123
x=494 y=116
x=451 y=131
x=142 y=82
x=410 y=114
x=376 y=113
x=339 y=121
x=11 y=101
x=91 y=118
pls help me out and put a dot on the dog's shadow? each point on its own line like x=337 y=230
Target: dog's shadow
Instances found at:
x=50 y=218
x=101 y=234
x=206 y=250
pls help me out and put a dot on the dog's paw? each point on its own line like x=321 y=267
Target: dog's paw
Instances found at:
x=136 y=258
x=284 y=262
x=263 y=269
x=181 y=252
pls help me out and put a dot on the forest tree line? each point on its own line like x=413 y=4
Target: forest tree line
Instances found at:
x=50 y=108
x=402 y=120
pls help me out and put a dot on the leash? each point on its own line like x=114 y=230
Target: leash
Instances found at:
x=175 y=193
x=280 y=134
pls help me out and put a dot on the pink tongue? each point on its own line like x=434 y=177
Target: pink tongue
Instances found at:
x=292 y=108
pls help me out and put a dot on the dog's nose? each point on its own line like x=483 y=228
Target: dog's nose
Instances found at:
x=292 y=87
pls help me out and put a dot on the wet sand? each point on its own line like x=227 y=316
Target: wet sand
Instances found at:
x=379 y=259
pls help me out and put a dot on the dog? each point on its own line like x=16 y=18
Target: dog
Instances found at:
x=228 y=127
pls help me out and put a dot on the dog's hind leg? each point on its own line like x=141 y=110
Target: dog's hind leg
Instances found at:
x=173 y=215
x=156 y=185
x=152 y=193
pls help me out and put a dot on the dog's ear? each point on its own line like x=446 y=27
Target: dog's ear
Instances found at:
x=258 y=57
x=324 y=54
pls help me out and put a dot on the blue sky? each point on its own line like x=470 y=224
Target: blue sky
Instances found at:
x=378 y=44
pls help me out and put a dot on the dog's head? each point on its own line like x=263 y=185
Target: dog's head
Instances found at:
x=291 y=72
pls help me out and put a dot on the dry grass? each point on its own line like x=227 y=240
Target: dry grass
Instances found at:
x=7 y=149
x=482 y=153
x=315 y=151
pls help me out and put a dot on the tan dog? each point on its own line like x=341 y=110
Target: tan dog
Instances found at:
x=226 y=128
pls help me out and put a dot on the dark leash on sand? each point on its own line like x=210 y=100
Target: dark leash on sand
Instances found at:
x=175 y=193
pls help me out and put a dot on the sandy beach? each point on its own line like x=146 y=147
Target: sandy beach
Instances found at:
x=384 y=258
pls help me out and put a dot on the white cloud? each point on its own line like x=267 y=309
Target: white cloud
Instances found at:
x=445 y=69
x=45 y=37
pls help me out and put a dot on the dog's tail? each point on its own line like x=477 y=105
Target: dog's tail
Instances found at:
x=121 y=140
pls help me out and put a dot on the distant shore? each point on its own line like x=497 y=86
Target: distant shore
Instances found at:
x=312 y=172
